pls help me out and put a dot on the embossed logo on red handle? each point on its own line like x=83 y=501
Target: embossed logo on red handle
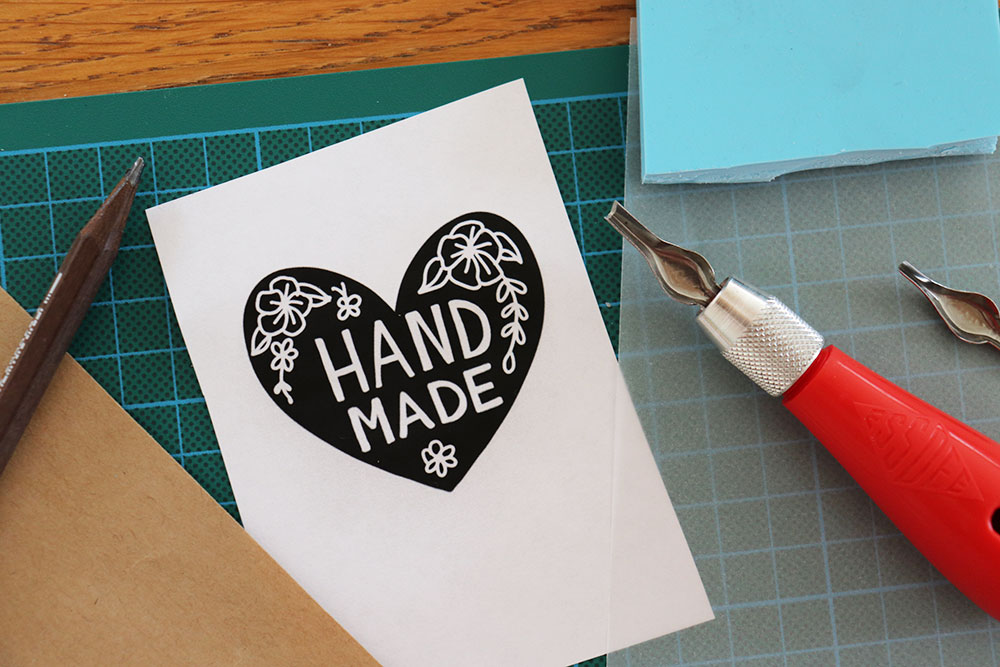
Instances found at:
x=917 y=452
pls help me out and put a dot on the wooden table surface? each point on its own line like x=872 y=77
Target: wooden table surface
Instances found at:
x=66 y=48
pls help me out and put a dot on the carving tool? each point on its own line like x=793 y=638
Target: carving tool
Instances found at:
x=51 y=331
x=936 y=478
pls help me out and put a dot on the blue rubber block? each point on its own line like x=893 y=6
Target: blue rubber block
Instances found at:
x=744 y=90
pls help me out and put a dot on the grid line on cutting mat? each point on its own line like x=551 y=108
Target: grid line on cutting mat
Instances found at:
x=130 y=341
x=801 y=567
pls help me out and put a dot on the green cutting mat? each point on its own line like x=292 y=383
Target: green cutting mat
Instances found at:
x=58 y=159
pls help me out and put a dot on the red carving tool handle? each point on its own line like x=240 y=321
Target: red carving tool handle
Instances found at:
x=937 y=479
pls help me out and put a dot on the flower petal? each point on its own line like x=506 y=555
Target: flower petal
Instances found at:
x=270 y=324
x=299 y=303
x=489 y=271
x=466 y=274
x=284 y=285
x=281 y=282
x=452 y=250
x=268 y=301
x=296 y=322
x=487 y=244
x=469 y=229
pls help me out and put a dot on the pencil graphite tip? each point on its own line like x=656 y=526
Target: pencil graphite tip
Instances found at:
x=135 y=171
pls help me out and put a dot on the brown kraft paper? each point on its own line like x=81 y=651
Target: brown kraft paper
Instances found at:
x=111 y=554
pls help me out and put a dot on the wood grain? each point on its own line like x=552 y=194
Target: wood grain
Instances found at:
x=66 y=48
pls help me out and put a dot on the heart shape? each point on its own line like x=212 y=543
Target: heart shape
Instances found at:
x=417 y=390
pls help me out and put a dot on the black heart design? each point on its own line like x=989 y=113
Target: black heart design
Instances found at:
x=418 y=390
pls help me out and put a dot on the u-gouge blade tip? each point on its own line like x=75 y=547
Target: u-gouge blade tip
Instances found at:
x=629 y=226
x=683 y=274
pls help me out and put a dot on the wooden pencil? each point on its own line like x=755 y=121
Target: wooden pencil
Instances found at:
x=59 y=315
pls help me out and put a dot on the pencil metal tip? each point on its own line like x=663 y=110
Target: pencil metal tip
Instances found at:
x=135 y=171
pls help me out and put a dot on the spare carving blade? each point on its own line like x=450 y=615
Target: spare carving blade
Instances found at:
x=971 y=316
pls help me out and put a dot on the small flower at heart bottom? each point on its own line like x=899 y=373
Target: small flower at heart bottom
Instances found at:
x=438 y=458
x=417 y=389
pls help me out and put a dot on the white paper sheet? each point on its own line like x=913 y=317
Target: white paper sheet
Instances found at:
x=560 y=542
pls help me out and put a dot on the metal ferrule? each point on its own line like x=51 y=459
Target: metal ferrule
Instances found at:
x=761 y=336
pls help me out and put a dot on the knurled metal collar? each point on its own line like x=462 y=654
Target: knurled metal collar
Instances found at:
x=760 y=335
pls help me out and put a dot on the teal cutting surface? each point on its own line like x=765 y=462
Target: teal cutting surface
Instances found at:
x=58 y=159
x=130 y=341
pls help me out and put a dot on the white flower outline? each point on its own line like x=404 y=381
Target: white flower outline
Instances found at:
x=283 y=362
x=282 y=310
x=348 y=305
x=471 y=256
x=438 y=458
